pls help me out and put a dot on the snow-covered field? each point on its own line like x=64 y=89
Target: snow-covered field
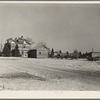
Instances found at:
x=49 y=74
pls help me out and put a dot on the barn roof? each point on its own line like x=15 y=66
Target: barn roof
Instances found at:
x=38 y=46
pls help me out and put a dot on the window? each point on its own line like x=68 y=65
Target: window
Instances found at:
x=39 y=53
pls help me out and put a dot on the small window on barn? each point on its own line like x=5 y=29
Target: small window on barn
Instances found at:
x=17 y=40
x=39 y=53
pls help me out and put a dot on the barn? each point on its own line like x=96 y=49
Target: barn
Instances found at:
x=38 y=51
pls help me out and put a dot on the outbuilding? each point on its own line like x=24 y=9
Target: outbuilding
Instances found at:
x=39 y=51
x=93 y=56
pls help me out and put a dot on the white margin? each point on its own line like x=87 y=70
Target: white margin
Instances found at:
x=56 y=93
x=54 y=2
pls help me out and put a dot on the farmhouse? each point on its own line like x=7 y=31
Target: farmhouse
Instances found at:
x=38 y=51
x=23 y=45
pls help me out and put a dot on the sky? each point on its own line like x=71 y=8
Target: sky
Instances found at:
x=63 y=27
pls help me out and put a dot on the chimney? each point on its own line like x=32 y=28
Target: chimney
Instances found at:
x=92 y=49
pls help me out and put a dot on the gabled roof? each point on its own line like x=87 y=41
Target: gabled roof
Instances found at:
x=45 y=47
x=36 y=46
x=19 y=41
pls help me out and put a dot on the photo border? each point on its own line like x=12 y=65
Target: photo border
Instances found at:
x=72 y=95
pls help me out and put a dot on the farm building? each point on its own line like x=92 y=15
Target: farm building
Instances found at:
x=38 y=51
x=74 y=55
x=23 y=45
x=93 y=56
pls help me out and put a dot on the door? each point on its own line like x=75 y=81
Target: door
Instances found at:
x=32 y=54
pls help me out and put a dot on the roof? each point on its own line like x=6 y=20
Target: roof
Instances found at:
x=94 y=52
x=45 y=47
x=19 y=41
x=39 y=46
x=22 y=43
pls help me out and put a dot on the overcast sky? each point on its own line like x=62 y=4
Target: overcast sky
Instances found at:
x=61 y=26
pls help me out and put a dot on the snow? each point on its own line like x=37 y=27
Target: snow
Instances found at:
x=49 y=74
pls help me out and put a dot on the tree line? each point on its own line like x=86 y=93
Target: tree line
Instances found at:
x=60 y=54
x=8 y=52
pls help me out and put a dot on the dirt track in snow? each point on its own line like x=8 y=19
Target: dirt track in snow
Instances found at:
x=49 y=74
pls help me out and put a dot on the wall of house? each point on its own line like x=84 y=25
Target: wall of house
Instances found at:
x=96 y=54
x=13 y=46
x=23 y=51
x=25 y=54
x=42 y=53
